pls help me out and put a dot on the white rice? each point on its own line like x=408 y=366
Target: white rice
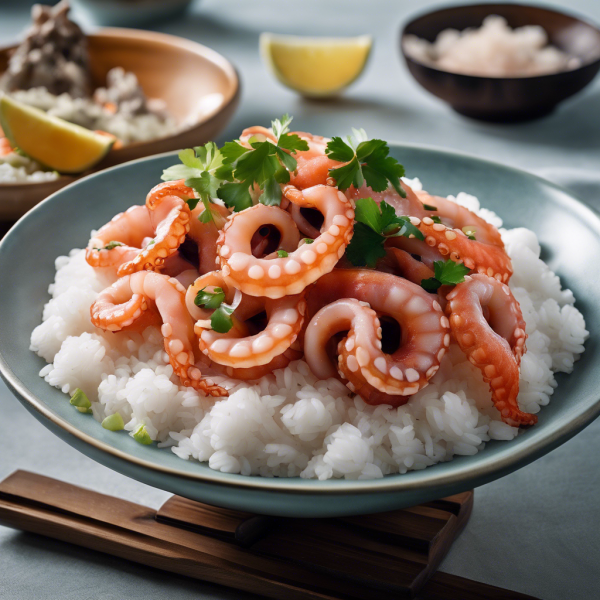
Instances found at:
x=290 y=424
x=16 y=168
x=492 y=50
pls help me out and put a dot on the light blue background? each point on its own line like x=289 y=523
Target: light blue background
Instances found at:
x=536 y=531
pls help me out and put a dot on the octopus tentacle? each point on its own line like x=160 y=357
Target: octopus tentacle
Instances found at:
x=129 y=229
x=458 y=217
x=170 y=220
x=455 y=245
x=494 y=345
x=277 y=277
x=121 y=304
x=425 y=331
x=234 y=349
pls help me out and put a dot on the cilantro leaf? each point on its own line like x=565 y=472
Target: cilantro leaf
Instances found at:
x=281 y=126
x=368 y=161
x=288 y=161
x=220 y=320
x=450 y=273
x=446 y=272
x=210 y=300
x=258 y=165
x=293 y=142
x=271 y=195
x=177 y=172
x=235 y=195
x=338 y=149
x=348 y=174
x=368 y=212
x=366 y=246
x=431 y=284
x=231 y=151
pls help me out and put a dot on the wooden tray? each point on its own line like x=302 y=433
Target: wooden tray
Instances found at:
x=375 y=557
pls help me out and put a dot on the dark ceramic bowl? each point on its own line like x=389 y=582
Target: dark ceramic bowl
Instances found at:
x=506 y=99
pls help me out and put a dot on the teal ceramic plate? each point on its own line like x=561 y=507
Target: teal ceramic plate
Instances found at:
x=570 y=236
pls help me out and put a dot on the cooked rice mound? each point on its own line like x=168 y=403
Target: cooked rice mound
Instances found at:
x=290 y=424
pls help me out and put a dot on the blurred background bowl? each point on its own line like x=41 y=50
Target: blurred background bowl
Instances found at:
x=504 y=99
x=199 y=87
x=127 y=13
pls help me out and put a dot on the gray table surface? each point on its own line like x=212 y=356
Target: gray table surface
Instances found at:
x=536 y=531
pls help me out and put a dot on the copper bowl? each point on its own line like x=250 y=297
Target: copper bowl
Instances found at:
x=199 y=86
x=507 y=99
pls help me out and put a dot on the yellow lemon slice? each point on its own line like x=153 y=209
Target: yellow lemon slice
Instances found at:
x=315 y=67
x=53 y=142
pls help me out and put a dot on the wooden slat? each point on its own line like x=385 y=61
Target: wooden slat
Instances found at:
x=230 y=525
x=296 y=559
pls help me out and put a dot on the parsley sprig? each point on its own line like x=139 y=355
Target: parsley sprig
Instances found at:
x=366 y=160
x=265 y=164
x=220 y=320
x=374 y=223
x=198 y=167
x=445 y=273
x=230 y=172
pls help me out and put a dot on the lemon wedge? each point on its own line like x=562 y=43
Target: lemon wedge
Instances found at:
x=315 y=67
x=53 y=142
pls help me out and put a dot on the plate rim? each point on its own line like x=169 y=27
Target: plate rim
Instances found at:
x=394 y=483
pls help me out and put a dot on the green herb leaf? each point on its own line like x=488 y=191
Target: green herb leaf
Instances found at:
x=292 y=142
x=429 y=207
x=366 y=246
x=85 y=411
x=282 y=254
x=142 y=436
x=113 y=422
x=471 y=237
x=288 y=161
x=80 y=400
x=308 y=240
x=338 y=149
x=209 y=300
x=235 y=195
x=430 y=285
x=111 y=245
x=368 y=161
x=446 y=272
x=449 y=273
x=271 y=195
x=220 y=320
x=436 y=219
x=231 y=151
x=281 y=126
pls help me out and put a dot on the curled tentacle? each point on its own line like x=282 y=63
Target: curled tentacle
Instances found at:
x=170 y=220
x=374 y=374
x=494 y=344
x=280 y=276
x=304 y=226
x=456 y=216
x=239 y=349
x=130 y=229
x=126 y=301
x=443 y=243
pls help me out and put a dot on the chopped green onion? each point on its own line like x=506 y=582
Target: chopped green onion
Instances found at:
x=142 y=436
x=85 y=411
x=113 y=422
x=282 y=254
x=429 y=207
x=308 y=240
x=80 y=400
